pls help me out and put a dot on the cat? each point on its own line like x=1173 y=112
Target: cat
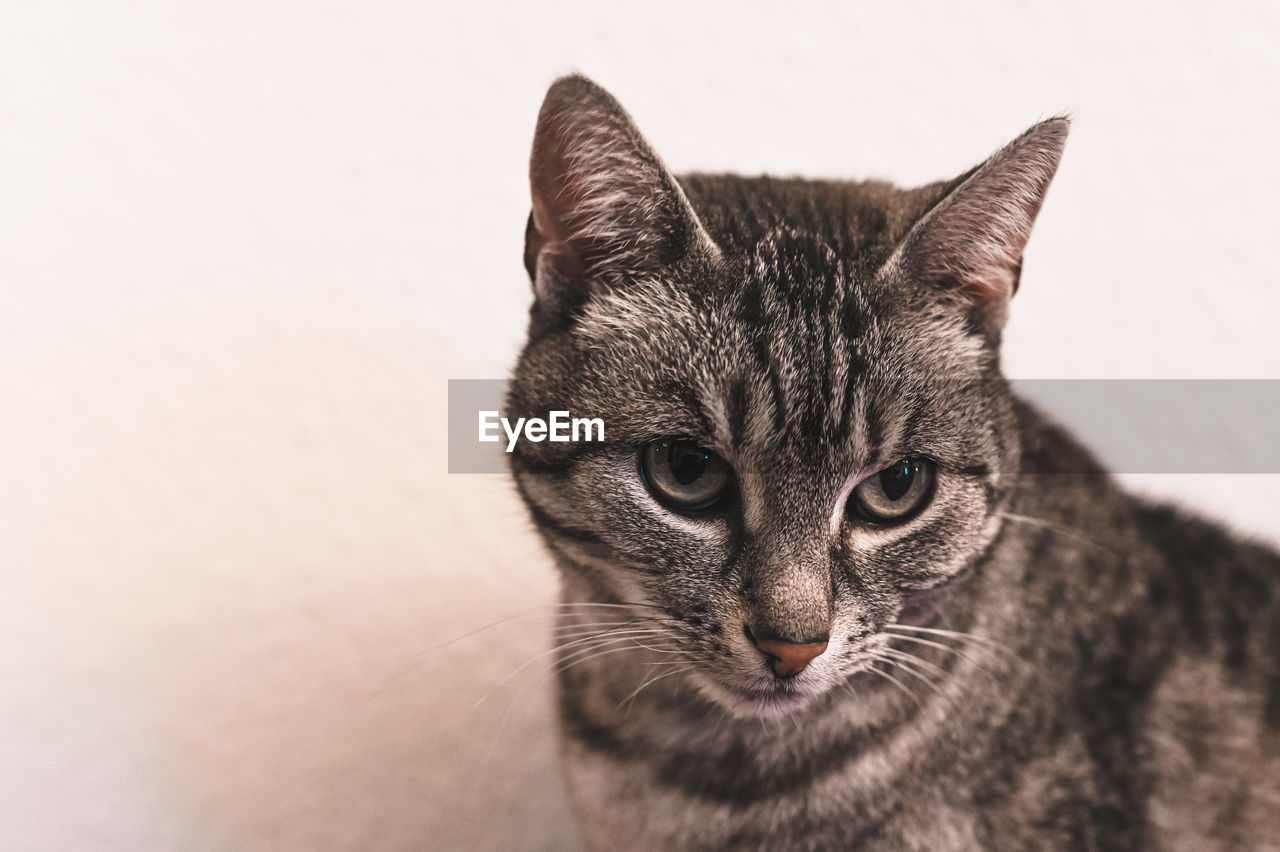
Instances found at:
x=829 y=584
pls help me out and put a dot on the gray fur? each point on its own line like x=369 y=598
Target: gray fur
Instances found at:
x=1112 y=679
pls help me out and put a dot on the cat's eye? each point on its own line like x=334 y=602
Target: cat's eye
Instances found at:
x=683 y=475
x=896 y=493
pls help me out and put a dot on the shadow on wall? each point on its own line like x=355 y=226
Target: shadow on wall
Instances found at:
x=235 y=578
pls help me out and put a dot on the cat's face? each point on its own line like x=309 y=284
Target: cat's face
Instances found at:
x=805 y=421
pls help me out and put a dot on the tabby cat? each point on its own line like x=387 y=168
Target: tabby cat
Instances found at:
x=828 y=583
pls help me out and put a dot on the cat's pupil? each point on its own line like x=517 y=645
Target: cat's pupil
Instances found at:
x=688 y=462
x=896 y=480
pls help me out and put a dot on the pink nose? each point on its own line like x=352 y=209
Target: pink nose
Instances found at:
x=788 y=659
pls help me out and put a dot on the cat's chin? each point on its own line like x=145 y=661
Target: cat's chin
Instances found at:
x=769 y=701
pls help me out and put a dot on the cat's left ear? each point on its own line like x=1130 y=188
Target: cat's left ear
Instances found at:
x=969 y=245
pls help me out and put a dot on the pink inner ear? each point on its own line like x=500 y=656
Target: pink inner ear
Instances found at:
x=975 y=241
x=558 y=278
x=972 y=241
x=995 y=283
x=600 y=193
x=543 y=222
x=548 y=243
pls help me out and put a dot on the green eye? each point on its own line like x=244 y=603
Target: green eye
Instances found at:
x=895 y=493
x=683 y=475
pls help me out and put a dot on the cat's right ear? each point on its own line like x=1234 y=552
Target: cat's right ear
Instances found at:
x=605 y=208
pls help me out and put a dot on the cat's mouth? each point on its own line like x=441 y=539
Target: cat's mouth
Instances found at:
x=773 y=699
x=767 y=701
x=763 y=696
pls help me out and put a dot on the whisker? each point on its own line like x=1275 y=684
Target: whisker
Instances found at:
x=1061 y=529
x=546 y=611
x=567 y=631
x=958 y=652
x=912 y=665
x=896 y=682
x=795 y=720
x=552 y=650
x=582 y=655
x=591 y=652
x=937 y=671
x=643 y=634
x=918 y=675
x=688 y=658
x=654 y=679
x=649 y=644
x=569 y=625
x=724 y=714
x=624 y=636
x=647 y=647
x=955 y=634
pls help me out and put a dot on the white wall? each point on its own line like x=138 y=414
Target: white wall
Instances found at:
x=244 y=244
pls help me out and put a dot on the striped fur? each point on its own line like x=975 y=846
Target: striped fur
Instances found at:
x=1036 y=661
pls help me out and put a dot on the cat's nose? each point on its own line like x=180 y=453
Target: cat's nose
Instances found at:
x=787 y=658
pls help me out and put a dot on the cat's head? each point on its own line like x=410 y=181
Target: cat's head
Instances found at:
x=805 y=419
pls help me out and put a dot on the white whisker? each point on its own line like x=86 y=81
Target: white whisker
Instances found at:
x=955 y=634
x=950 y=650
x=631 y=698
x=1064 y=531
x=586 y=640
x=895 y=682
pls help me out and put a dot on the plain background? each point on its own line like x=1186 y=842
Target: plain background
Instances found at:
x=243 y=245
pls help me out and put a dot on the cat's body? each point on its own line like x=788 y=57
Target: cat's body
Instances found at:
x=1141 y=711
x=1085 y=670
